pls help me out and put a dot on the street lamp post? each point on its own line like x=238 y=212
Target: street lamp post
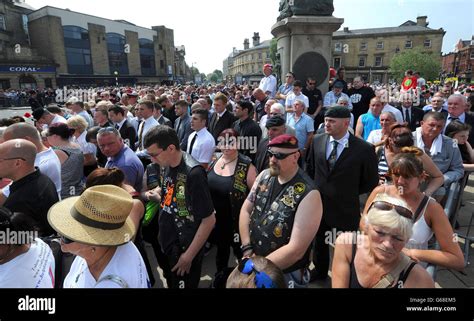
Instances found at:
x=116 y=78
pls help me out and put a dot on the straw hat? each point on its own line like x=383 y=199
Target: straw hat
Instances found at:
x=98 y=217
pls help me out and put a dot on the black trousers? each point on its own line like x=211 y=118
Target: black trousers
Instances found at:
x=223 y=254
x=150 y=235
x=189 y=280
x=321 y=250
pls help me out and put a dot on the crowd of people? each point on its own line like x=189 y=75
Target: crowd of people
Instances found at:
x=274 y=173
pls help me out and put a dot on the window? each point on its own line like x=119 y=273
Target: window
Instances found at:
x=268 y=55
x=337 y=62
x=160 y=47
x=78 y=52
x=361 y=61
x=363 y=46
x=378 y=61
x=427 y=43
x=117 y=56
x=338 y=47
x=408 y=44
x=3 y=24
x=147 y=57
x=48 y=83
x=259 y=56
x=162 y=64
x=380 y=45
x=472 y=54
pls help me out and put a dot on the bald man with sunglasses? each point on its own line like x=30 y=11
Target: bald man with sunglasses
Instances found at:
x=281 y=215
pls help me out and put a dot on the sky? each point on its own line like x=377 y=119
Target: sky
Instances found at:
x=209 y=29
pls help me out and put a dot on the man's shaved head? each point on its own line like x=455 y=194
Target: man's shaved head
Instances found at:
x=22 y=130
x=19 y=148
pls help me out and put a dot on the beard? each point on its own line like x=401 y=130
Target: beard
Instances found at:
x=274 y=170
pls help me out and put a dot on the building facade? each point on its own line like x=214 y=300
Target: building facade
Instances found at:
x=459 y=63
x=364 y=52
x=368 y=52
x=245 y=66
x=21 y=65
x=52 y=47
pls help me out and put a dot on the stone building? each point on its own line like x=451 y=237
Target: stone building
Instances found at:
x=459 y=63
x=21 y=65
x=52 y=47
x=246 y=65
x=368 y=52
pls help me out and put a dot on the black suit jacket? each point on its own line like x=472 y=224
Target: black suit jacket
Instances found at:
x=217 y=126
x=128 y=134
x=355 y=173
x=164 y=121
x=416 y=117
x=261 y=160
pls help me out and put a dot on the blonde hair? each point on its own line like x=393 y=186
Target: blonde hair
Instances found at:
x=390 y=219
x=78 y=123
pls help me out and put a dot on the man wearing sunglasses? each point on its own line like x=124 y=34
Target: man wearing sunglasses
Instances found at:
x=281 y=215
x=343 y=167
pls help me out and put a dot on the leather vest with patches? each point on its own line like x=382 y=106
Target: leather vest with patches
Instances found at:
x=184 y=222
x=271 y=221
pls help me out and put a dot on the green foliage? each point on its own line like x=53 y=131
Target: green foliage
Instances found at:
x=273 y=51
x=215 y=77
x=429 y=65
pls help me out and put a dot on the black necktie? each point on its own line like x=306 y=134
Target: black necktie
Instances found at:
x=192 y=144
x=117 y=127
x=333 y=156
x=453 y=118
x=407 y=115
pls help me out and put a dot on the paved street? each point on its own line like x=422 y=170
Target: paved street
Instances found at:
x=13 y=111
x=445 y=278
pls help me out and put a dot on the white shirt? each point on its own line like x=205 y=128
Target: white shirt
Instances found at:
x=148 y=124
x=343 y=143
x=32 y=269
x=290 y=99
x=48 y=163
x=396 y=112
x=59 y=119
x=204 y=145
x=436 y=146
x=86 y=148
x=268 y=84
x=375 y=136
x=126 y=264
x=121 y=123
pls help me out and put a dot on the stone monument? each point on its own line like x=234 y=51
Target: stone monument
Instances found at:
x=304 y=31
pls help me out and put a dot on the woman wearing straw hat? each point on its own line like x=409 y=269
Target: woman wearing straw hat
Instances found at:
x=96 y=227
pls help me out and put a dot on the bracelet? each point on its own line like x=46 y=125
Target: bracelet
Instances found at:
x=246 y=247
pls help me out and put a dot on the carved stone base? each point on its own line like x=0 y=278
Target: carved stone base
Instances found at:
x=304 y=45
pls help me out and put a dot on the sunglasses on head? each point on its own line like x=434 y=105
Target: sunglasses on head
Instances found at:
x=279 y=156
x=262 y=280
x=386 y=206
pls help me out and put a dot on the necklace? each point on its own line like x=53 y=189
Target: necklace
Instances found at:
x=222 y=167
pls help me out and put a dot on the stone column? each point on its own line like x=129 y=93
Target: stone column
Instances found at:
x=304 y=45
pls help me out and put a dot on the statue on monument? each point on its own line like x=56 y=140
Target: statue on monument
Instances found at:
x=289 y=8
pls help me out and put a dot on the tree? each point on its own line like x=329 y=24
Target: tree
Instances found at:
x=273 y=51
x=219 y=74
x=429 y=65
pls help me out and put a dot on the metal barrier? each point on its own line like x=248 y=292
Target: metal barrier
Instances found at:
x=467 y=239
x=451 y=209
